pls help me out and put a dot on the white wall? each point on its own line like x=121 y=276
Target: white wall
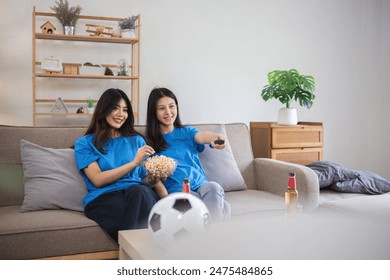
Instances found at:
x=215 y=55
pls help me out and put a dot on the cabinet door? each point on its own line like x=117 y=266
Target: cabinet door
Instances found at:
x=299 y=156
x=296 y=137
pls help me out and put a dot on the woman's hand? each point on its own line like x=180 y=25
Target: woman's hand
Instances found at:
x=218 y=145
x=143 y=153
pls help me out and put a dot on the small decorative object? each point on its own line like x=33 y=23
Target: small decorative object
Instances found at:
x=122 y=64
x=159 y=167
x=108 y=72
x=176 y=217
x=51 y=65
x=127 y=26
x=59 y=106
x=47 y=28
x=80 y=110
x=89 y=68
x=71 y=68
x=287 y=86
x=68 y=16
x=90 y=107
x=116 y=32
x=98 y=30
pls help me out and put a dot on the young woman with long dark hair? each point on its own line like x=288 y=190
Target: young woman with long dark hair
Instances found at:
x=166 y=134
x=109 y=157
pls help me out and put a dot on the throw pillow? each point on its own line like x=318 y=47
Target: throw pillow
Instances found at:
x=221 y=167
x=51 y=179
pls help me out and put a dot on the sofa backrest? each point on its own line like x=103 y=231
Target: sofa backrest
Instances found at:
x=11 y=171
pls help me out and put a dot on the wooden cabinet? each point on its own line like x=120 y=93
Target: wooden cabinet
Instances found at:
x=301 y=144
x=83 y=43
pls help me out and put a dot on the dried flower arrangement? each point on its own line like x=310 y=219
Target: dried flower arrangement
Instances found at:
x=127 y=23
x=68 y=16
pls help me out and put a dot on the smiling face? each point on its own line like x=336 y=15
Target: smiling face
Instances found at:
x=166 y=112
x=118 y=115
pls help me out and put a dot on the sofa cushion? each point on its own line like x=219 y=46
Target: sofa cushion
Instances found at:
x=52 y=180
x=49 y=233
x=220 y=165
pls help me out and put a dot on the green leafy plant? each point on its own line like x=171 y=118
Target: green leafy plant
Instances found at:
x=127 y=23
x=68 y=16
x=288 y=86
x=90 y=102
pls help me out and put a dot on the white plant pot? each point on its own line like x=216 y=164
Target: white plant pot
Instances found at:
x=128 y=33
x=287 y=116
x=90 y=110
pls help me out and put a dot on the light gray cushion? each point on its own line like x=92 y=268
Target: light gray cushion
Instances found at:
x=51 y=179
x=220 y=166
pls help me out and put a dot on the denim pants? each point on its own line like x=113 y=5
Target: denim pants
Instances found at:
x=213 y=195
x=121 y=210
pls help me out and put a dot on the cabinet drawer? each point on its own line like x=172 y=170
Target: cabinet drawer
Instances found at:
x=296 y=136
x=300 y=156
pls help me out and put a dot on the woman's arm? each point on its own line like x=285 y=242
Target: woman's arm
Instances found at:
x=101 y=178
x=207 y=137
x=160 y=189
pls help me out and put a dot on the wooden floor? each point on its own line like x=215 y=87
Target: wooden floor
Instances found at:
x=107 y=255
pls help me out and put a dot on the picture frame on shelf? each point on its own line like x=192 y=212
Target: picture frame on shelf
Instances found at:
x=51 y=64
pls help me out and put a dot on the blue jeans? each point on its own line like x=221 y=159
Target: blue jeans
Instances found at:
x=213 y=195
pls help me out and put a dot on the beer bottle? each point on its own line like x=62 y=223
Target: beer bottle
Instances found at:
x=291 y=195
x=186 y=186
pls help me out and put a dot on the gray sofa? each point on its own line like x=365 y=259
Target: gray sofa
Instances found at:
x=68 y=234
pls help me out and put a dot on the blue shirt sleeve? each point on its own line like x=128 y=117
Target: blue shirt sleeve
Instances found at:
x=85 y=152
x=193 y=131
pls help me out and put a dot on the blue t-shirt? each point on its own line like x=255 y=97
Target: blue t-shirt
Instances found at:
x=119 y=151
x=182 y=147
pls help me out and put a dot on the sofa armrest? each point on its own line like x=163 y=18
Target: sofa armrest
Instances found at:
x=272 y=176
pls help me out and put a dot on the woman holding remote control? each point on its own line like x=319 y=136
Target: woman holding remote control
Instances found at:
x=166 y=134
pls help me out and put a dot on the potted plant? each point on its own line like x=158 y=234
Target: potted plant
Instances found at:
x=127 y=26
x=90 y=107
x=288 y=86
x=68 y=16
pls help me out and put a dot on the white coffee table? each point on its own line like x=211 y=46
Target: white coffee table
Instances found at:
x=138 y=244
x=260 y=237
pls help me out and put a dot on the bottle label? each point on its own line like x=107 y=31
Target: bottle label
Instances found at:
x=291 y=183
x=186 y=188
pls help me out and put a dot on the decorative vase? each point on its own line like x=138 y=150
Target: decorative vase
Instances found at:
x=127 y=33
x=69 y=30
x=287 y=116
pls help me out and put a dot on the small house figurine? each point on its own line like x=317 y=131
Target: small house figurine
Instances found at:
x=47 y=28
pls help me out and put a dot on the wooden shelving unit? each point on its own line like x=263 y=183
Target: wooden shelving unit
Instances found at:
x=133 y=64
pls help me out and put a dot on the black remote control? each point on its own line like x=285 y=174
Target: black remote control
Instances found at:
x=219 y=142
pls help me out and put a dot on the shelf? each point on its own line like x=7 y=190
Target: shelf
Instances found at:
x=65 y=100
x=128 y=47
x=87 y=76
x=64 y=114
x=85 y=38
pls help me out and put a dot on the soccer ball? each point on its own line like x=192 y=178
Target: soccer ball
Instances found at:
x=176 y=217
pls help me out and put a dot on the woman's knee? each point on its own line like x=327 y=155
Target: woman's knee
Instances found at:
x=213 y=187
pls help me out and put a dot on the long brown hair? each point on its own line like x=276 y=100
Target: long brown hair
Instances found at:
x=153 y=133
x=99 y=126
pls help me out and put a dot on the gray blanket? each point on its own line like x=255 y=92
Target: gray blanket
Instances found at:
x=342 y=179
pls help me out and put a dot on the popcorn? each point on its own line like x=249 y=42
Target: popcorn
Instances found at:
x=159 y=167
